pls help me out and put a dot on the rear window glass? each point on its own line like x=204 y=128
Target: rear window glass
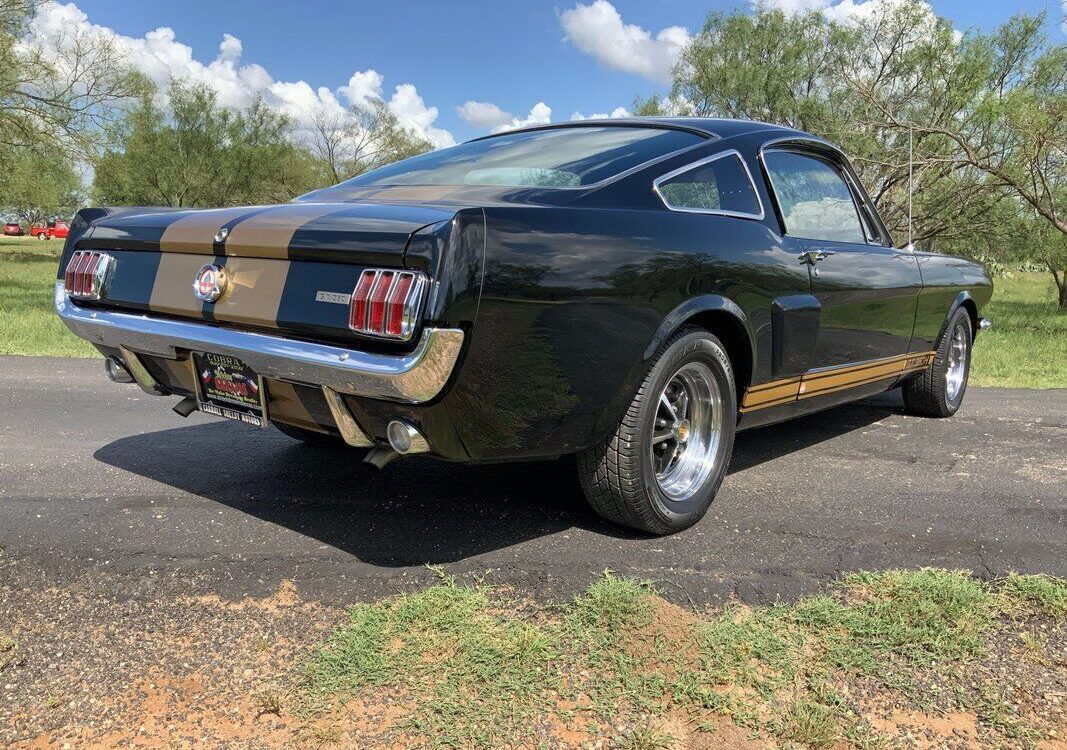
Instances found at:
x=555 y=158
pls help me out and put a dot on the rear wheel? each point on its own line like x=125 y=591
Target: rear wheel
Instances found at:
x=660 y=469
x=42 y=236
x=939 y=391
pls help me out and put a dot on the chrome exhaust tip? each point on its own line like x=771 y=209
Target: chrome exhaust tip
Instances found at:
x=405 y=439
x=380 y=456
x=116 y=371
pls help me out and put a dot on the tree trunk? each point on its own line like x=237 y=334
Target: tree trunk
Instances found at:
x=1061 y=284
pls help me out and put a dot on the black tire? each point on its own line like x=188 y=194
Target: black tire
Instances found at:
x=619 y=477
x=310 y=437
x=929 y=394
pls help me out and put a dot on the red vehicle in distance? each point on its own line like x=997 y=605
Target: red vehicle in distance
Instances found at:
x=13 y=229
x=58 y=229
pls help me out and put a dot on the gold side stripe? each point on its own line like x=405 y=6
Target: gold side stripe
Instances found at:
x=832 y=379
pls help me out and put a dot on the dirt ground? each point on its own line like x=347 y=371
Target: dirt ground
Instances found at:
x=83 y=671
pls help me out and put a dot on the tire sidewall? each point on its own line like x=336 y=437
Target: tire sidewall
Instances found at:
x=698 y=346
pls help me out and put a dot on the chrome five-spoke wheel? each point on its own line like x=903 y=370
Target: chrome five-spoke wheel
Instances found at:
x=956 y=371
x=686 y=430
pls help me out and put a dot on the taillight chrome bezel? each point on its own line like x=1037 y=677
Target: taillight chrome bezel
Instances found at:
x=88 y=274
x=400 y=308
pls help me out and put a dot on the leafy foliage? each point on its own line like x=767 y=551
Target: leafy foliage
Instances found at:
x=365 y=137
x=39 y=184
x=203 y=155
x=60 y=96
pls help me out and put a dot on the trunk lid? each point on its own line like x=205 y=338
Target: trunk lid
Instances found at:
x=290 y=267
x=331 y=232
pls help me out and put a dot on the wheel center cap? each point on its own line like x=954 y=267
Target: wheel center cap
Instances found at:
x=681 y=430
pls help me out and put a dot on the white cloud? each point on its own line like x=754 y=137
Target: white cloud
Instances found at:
x=483 y=114
x=540 y=114
x=790 y=7
x=363 y=86
x=161 y=57
x=491 y=117
x=597 y=30
x=615 y=113
x=836 y=10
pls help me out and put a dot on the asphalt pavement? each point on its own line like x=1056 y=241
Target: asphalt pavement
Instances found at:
x=103 y=487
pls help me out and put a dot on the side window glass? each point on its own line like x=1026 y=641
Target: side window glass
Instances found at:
x=719 y=185
x=815 y=200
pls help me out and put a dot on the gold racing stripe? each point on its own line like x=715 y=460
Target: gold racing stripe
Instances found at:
x=254 y=291
x=195 y=232
x=824 y=381
x=268 y=233
x=172 y=290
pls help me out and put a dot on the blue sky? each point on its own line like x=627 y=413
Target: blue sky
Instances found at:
x=511 y=54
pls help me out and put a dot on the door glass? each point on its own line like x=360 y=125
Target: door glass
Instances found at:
x=815 y=201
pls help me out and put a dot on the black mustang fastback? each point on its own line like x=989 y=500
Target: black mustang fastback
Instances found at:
x=630 y=291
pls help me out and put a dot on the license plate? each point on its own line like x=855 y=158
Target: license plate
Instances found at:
x=227 y=387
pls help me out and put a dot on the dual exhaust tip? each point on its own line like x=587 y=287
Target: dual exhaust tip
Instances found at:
x=404 y=440
x=116 y=371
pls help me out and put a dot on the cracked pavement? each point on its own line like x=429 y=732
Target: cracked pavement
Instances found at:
x=103 y=488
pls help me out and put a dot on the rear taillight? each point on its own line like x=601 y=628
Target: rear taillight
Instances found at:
x=386 y=303
x=88 y=273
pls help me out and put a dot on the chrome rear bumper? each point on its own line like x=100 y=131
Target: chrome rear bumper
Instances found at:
x=410 y=378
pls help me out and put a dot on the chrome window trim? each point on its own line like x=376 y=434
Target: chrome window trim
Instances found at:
x=717 y=211
x=415 y=377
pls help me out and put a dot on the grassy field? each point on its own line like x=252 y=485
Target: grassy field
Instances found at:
x=879 y=657
x=1026 y=348
x=28 y=323
x=1027 y=345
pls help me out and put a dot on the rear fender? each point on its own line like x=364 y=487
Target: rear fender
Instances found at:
x=740 y=348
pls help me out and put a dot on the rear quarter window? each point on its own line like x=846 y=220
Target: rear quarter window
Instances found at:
x=718 y=184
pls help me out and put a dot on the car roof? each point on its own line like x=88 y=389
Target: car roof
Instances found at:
x=713 y=127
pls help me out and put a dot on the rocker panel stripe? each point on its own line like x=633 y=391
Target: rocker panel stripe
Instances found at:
x=826 y=380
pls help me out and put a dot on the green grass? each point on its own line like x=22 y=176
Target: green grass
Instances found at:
x=1026 y=348
x=470 y=667
x=28 y=323
x=1027 y=345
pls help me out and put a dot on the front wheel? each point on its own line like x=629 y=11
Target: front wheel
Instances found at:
x=938 y=392
x=42 y=236
x=660 y=469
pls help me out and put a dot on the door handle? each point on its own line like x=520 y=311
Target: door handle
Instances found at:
x=811 y=257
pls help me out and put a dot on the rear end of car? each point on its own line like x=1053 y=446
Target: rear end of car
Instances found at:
x=336 y=319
